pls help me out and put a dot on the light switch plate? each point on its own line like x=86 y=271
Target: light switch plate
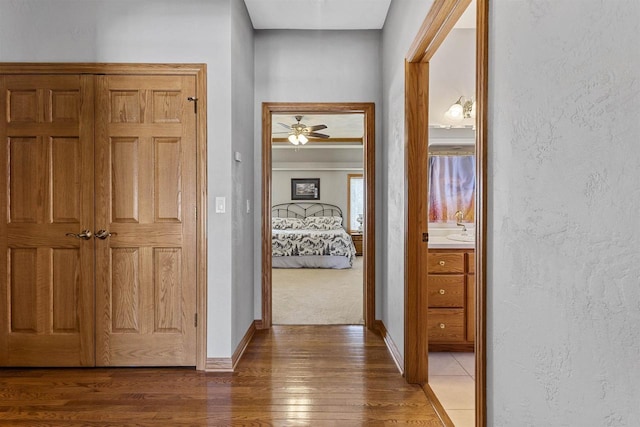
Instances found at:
x=220 y=204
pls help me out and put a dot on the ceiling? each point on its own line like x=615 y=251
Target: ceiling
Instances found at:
x=338 y=125
x=318 y=14
x=329 y=14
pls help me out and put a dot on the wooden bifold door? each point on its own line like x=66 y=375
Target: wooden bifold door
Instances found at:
x=99 y=235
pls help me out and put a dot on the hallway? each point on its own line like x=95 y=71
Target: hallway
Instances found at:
x=289 y=375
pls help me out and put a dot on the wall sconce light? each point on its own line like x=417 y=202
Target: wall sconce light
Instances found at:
x=462 y=109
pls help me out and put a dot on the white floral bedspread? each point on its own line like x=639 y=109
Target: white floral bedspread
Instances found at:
x=312 y=242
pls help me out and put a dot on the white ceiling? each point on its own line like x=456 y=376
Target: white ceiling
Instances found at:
x=338 y=125
x=318 y=14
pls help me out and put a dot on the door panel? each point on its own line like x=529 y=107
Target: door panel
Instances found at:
x=46 y=167
x=145 y=196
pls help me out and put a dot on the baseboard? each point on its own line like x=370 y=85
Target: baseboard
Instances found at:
x=437 y=406
x=228 y=364
x=391 y=346
x=242 y=345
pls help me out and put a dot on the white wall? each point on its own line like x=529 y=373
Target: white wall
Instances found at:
x=193 y=31
x=564 y=175
x=452 y=73
x=311 y=66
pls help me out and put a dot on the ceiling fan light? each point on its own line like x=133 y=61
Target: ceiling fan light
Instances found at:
x=293 y=139
x=303 y=139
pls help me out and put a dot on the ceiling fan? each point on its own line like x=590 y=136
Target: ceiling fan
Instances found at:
x=299 y=133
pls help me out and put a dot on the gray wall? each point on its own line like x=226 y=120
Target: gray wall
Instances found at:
x=242 y=87
x=194 y=31
x=563 y=270
x=564 y=175
x=311 y=66
x=333 y=187
x=401 y=27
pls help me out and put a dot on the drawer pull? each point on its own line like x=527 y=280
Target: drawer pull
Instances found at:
x=441 y=291
x=441 y=263
x=442 y=325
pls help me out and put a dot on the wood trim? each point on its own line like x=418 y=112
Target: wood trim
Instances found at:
x=369 y=233
x=437 y=18
x=219 y=364
x=200 y=73
x=416 y=250
x=434 y=20
x=242 y=345
x=228 y=364
x=437 y=406
x=201 y=220
x=368 y=109
x=482 y=143
x=391 y=345
x=266 y=216
x=323 y=141
x=445 y=29
x=99 y=68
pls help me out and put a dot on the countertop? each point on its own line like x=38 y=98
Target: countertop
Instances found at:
x=438 y=238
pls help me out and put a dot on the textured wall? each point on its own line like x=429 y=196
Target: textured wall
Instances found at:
x=401 y=27
x=242 y=173
x=564 y=175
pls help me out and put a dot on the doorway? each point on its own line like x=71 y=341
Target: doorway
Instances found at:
x=102 y=172
x=366 y=110
x=438 y=23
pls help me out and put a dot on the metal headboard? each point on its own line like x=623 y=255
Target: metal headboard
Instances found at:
x=304 y=210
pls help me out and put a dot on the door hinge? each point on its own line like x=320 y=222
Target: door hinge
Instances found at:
x=195 y=103
x=195 y=211
x=195 y=320
x=425 y=237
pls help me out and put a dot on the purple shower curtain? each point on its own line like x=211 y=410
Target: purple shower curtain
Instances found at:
x=452 y=184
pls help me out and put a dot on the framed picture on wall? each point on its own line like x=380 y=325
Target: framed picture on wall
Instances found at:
x=305 y=188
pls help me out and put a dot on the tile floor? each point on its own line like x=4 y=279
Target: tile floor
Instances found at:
x=452 y=378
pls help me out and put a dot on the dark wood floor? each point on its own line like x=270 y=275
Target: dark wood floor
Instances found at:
x=293 y=375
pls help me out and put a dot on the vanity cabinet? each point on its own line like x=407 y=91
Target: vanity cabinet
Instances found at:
x=450 y=287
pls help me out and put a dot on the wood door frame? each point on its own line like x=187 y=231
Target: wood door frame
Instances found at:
x=199 y=71
x=366 y=108
x=437 y=24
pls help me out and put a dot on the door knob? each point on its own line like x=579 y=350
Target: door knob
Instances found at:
x=84 y=235
x=103 y=234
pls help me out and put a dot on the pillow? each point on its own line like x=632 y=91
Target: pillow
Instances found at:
x=287 y=223
x=323 y=222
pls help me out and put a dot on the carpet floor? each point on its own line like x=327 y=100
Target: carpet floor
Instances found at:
x=306 y=296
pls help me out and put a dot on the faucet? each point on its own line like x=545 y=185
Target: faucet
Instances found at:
x=459 y=215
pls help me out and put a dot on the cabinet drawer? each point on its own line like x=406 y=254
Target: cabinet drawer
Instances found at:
x=446 y=262
x=446 y=324
x=446 y=290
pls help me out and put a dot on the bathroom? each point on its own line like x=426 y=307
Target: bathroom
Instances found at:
x=452 y=213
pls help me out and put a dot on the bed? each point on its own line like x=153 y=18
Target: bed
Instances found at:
x=310 y=235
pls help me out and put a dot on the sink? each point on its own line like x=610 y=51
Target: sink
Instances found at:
x=462 y=237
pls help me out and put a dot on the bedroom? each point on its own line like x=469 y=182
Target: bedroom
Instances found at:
x=317 y=217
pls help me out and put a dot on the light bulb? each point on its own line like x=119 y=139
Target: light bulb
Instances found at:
x=456 y=111
x=293 y=139
x=303 y=139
